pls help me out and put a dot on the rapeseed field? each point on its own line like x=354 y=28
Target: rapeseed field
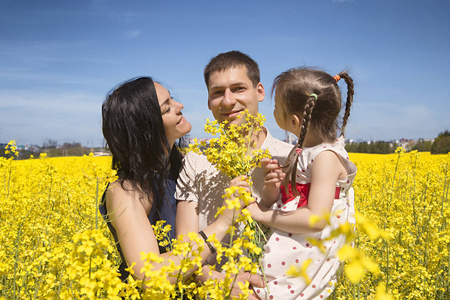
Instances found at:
x=55 y=245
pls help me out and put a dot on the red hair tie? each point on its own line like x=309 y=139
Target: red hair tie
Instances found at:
x=337 y=78
x=298 y=150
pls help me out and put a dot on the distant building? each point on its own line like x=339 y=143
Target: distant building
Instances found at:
x=101 y=153
x=290 y=138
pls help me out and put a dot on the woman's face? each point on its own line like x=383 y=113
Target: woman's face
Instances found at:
x=175 y=124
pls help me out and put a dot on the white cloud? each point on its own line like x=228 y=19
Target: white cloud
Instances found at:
x=134 y=33
x=22 y=74
x=51 y=102
x=33 y=117
x=385 y=121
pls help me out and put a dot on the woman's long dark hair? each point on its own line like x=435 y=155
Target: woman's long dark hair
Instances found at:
x=134 y=132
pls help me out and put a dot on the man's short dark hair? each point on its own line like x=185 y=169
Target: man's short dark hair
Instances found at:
x=232 y=59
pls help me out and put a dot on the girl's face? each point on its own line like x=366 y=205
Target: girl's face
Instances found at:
x=279 y=112
x=285 y=120
x=175 y=125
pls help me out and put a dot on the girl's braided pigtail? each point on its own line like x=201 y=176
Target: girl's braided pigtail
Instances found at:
x=291 y=172
x=350 y=93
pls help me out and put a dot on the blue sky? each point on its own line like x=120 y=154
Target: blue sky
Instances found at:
x=58 y=59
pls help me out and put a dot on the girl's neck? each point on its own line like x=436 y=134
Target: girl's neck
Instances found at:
x=312 y=139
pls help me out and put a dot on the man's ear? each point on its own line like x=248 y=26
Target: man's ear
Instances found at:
x=260 y=91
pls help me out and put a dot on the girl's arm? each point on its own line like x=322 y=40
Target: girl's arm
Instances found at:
x=128 y=215
x=273 y=177
x=326 y=171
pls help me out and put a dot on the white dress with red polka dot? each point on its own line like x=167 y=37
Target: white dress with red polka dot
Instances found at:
x=285 y=249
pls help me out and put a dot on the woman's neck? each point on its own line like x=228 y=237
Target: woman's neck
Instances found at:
x=171 y=144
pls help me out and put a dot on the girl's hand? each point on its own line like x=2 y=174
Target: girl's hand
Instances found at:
x=272 y=172
x=273 y=178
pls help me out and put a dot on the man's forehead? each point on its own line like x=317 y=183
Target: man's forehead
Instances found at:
x=229 y=76
x=230 y=68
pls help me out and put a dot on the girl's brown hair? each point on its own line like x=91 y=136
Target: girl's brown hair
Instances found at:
x=295 y=88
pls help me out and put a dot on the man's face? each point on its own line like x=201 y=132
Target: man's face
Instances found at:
x=230 y=92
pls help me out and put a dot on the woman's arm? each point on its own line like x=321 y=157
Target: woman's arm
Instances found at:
x=128 y=215
x=326 y=171
x=187 y=217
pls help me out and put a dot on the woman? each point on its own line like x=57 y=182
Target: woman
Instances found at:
x=141 y=123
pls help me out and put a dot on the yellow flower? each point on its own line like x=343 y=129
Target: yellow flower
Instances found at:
x=294 y=271
x=354 y=271
x=381 y=293
x=400 y=150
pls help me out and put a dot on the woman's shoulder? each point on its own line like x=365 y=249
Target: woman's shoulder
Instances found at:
x=122 y=196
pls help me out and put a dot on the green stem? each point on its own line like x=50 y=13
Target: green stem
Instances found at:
x=16 y=256
x=387 y=265
x=232 y=285
x=354 y=291
x=9 y=178
x=96 y=207
x=264 y=276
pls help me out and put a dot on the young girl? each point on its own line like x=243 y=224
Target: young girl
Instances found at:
x=307 y=103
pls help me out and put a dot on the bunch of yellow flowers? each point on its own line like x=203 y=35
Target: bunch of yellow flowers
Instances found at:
x=232 y=152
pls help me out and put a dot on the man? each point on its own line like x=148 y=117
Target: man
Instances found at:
x=233 y=84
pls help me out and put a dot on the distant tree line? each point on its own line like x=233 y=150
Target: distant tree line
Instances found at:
x=379 y=147
x=51 y=148
x=67 y=149
x=422 y=146
x=441 y=144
